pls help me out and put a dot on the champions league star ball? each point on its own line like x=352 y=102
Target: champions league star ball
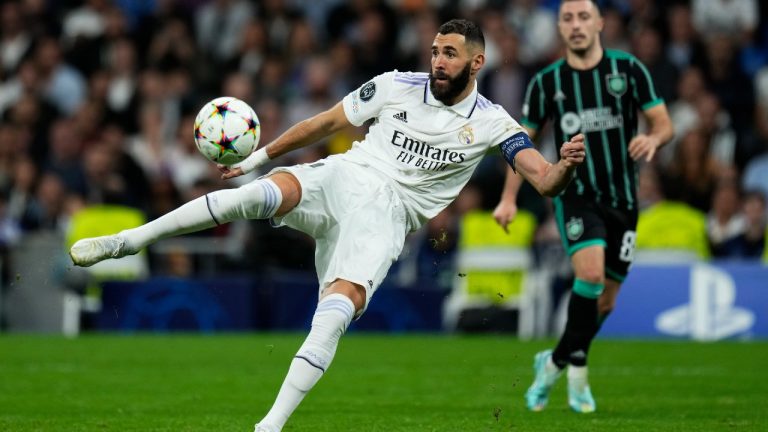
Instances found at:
x=226 y=130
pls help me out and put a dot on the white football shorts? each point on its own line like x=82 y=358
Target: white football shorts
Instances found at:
x=355 y=216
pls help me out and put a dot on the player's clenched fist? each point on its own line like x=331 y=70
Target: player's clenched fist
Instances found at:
x=572 y=152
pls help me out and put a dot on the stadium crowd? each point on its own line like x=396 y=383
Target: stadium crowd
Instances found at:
x=98 y=99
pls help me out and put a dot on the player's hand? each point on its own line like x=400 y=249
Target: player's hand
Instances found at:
x=643 y=146
x=504 y=213
x=572 y=152
x=228 y=172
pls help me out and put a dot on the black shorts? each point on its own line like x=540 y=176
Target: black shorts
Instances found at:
x=587 y=223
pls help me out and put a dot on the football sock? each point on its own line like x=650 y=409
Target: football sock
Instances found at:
x=258 y=199
x=332 y=317
x=581 y=326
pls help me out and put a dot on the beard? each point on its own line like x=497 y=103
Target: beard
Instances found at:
x=454 y=86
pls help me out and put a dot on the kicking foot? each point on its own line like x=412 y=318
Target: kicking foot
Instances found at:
x=89 y=251
x=579 y=395
x=260 y=428
x=546 y=373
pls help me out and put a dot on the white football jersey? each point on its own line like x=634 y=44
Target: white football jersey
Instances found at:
x=429 y=149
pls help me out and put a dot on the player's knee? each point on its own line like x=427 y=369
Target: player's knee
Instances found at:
x=258 y=199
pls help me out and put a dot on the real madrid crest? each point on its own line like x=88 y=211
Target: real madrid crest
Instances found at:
x=574 y=228
x=616 y=84
x=466 y=135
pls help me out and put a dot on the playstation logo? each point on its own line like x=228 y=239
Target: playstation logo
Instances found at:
x=711 y=313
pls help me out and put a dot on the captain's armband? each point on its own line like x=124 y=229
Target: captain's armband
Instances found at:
x=512 y=145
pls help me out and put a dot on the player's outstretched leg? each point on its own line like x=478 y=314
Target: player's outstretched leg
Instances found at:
x=258 y=199
x=545 y=375
x=332 y=317
x=579 y=395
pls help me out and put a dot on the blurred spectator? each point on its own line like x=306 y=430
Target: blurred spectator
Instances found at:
x=692 y=175
x=505 y=85
x=188 y=167
x=313 y=95
x=252 y=49
x=643 y=14
x=280 y=21
x=715 y=123
x=682 y=46
x=20 y=194
x=122 y=89
x=736 y=18
x=537 y=27
x=157 y=21
x=756 y=174
x=727 y=81
x=61 y=84
x=172 y=47
x=724 y=221
x=148 y=147
x=646 y=44
x=219 y=25
x=15 y=40
x=85 y=22
x=614 y=34
x=683 y=111
x=46 y=208
x=65 y=155
x=417 y=32
x=751 y=243
x=761 y=105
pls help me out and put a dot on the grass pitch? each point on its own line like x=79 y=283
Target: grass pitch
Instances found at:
x=377 y=383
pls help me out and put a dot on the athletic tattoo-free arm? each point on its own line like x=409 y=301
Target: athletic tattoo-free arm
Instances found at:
x=550 y=179
x=299 y=135
x=661 y=131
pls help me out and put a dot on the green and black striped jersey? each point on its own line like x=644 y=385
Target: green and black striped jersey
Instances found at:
x=603 y=104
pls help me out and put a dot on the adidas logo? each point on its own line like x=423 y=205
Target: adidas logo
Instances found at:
x=580 y=354
x=402 y=116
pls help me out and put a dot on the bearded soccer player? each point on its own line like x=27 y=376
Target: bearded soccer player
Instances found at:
x=429 y=134
x=598 y=93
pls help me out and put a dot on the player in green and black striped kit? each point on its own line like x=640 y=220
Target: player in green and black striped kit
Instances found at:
x=598 y=93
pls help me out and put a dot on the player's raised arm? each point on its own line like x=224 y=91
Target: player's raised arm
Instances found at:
x=547 y=178
x=299 y=135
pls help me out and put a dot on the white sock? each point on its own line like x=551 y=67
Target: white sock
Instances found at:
x=332 y=317
x=577 y=372
x=258 y=199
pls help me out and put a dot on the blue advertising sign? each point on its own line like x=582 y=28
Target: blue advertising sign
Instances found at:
x=700 y=301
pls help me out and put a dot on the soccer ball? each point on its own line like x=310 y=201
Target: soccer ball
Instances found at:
x=226 y=130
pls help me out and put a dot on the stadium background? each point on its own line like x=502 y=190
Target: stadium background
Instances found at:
x=97 y=100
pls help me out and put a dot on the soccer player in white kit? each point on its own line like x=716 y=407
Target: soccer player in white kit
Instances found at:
x=429 y=133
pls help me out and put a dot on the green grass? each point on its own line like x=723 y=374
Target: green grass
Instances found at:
x=377 y=383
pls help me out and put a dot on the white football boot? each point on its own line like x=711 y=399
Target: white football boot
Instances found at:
x=89 y=251
x=579 y=395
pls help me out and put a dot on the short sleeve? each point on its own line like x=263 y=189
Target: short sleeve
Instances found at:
x=367 y=101
x=535 y=108
x=503 y=128
x=645 y=93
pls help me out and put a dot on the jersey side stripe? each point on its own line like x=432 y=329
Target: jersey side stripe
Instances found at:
x=624 y=149
x=590 y=161
x=604 y=134
x=413 y=83
x=558 y=88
